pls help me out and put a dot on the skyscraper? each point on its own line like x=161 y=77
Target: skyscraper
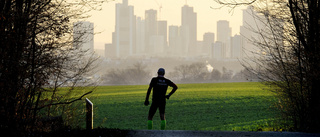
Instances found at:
x=218 y=50
x=162 y=30
x=252 y=23
x=109 y=50
x=236 y=47
x=83 y=37
x=150 y=30
x=208 y=40
x=162 y=33
x=125 y=30
x=224 y=35
x=188 y=29
x=174 y=40
x=140 y=35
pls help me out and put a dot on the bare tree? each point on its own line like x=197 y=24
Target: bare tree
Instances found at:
x=38 y=58
x=226 y=74
x=215 y=75
x=195 y=72
x=137 y=74
x=288 y=57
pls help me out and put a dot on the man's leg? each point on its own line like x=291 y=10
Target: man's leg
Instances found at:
x=162 y=109
x=152 y=111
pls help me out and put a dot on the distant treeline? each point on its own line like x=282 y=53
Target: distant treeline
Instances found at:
x=185 y=73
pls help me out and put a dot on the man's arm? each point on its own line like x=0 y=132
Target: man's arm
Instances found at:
x=174 y=88
x=146 y=102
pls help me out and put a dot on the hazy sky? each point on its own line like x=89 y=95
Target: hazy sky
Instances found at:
x=207 y=16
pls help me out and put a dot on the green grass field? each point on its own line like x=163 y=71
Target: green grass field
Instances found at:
x=210 y=106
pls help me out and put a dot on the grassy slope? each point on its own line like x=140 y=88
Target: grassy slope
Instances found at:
x=212 y=106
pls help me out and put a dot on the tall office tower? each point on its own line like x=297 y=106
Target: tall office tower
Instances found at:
x=236 y=47
x=174 y=41
x=208 y=40
x=157 y=43
x=199 y=48
x=150 y=30
x=140 y=35
x=83 y=37
x=218 y=50
x=109 y=50
x=125 y=30
x=162 y=34
x=251 y=23
x=188 y=30
x=224 y=35
x=162 y=31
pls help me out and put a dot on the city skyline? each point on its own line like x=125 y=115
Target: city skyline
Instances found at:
x=207 y=16
x=135 y=37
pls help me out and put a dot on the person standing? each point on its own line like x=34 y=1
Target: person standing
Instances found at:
x=159 y=85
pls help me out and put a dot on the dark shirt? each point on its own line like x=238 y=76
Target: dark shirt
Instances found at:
x=160 y=86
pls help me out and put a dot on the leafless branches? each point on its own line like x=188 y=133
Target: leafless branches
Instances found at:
x=232 y=4
x=288 y=49
x=38 y=60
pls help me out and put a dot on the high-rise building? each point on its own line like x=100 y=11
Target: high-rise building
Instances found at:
x=83 y=36
x=188 y=30
x=140 y=35
x=109 y=50
x=198 y=48
x=218 y=50
x=125 y=30
x=162 y=30
x=151 y=29
x=252 y=22
x=224 y=35
x=208 y=40
x=236 y=47
x=157 y=43
x=174 y=40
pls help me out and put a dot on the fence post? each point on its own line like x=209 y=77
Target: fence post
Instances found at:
x=89 y=114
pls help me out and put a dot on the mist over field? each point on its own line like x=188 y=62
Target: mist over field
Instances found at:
x=133 y=71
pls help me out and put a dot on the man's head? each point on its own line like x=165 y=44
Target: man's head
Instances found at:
x=161 y=71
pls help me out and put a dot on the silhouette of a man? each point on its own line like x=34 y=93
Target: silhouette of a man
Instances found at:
x=160 y=85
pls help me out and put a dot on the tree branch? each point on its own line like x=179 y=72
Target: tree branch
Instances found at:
x=64 y=103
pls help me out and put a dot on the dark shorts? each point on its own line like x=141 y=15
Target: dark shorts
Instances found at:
x=155 y=105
